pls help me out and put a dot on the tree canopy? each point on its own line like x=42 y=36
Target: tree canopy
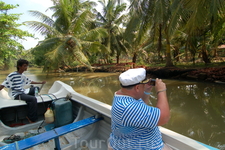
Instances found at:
x=70 y=36
x=10 y=34
x=142 y=32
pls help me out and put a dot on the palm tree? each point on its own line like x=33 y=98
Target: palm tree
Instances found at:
x=111 y=19
x=155 y=16
x=203 y=19
x=137 y=41
x=69 y=34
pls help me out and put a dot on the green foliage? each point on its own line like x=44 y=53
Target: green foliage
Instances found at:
x=112 y=18
x=70 y=36
x=158 y=31
x=200 y=25
x=10 y=34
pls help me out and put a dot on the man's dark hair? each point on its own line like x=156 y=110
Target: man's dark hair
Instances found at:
x=20 y=62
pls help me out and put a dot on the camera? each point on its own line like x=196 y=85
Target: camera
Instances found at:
x=152 y=82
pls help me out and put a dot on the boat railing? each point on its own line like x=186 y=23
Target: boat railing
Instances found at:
x=52 y=134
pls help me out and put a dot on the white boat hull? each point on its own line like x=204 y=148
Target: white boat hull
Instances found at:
x=94 y=136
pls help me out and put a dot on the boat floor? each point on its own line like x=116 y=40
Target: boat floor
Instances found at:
x=68 y=141
x=94 y=136
x=71 y=141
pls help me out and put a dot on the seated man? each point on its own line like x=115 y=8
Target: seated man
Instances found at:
x=134 y=122
x=16 y=81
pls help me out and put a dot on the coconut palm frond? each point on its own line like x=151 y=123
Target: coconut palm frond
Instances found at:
x=135 y=6
x=72 y=34
x=88 y=4
x=72 y=42
x=176 y=19
x=81 y=23
x=80 y=57
x=100 y=18
x=53 y=56
x=44 y=18
x=42 y=28
x=119 y=9
x=62 y=14
x=57 y=54
x=94 y=47
x=132 y=27
x=94 y=34
x=48 y=44
x=121 y=19
x=62 y=51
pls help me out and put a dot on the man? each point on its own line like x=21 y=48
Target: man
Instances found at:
x=134 y=123
x=16 y=81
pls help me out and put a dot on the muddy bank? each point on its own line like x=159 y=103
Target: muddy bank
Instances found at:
x=204 y=74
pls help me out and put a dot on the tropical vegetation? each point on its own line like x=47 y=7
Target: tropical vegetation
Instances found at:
x=168 y=32
x=9 y=35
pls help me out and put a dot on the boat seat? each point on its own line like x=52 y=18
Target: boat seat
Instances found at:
x=52 y=134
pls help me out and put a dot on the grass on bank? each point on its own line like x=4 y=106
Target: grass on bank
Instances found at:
x=191 y=66
x=219 y=62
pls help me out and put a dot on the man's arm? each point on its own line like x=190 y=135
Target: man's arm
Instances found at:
x=34 y=82
x=162 y=102
x=1 y=87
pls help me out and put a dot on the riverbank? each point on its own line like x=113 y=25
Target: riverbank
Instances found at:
x=212 y=74
x=207 y=74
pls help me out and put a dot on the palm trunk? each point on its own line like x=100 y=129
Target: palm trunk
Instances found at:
x=159 y=43
x=134 y=59
x=193 y=58
x=176 y=53
x=204 y=53
x=215 y=54
x=186 y=52
x=169 y=62
x=117 y=59
x=88 y=66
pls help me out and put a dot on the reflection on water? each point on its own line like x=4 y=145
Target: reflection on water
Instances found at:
x=197 y=109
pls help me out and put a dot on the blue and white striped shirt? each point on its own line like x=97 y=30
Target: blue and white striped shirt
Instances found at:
x=134 y=125
x=16 y=82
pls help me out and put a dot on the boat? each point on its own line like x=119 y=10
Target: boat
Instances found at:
x=89 y=129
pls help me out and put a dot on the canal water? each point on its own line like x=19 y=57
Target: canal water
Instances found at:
x=197 y=108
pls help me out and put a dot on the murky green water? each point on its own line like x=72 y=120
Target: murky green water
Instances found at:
x=197 y=108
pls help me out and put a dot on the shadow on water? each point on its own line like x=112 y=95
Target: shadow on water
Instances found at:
x=197 y=109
